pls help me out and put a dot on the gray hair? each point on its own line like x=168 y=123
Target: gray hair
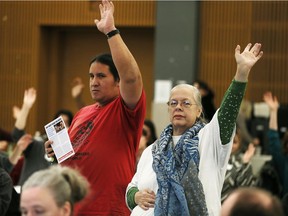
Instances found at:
x=64 y=183
x=195 y=94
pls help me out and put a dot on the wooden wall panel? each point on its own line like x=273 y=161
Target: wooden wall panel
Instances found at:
x=223 y=25
x=24 y=33
x=219 y=36
x=28 y=47
x=270 y=27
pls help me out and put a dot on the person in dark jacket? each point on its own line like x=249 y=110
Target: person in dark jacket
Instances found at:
x=207 y=95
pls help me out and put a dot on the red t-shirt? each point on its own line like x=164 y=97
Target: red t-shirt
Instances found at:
x=105 y=141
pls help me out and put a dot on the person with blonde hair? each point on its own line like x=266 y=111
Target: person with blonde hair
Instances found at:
x=53 y=191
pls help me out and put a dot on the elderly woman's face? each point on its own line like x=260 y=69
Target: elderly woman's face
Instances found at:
x=183 y=110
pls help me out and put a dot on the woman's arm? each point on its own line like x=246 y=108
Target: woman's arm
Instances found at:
x=230 y=105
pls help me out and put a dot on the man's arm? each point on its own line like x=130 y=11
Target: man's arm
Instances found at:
x=130 y=77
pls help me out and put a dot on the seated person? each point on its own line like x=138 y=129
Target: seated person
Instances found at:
x=239 y=169
x=53 y=191
x=251 y=202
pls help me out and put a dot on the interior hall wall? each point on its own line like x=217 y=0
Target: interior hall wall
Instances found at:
x=224 y=24
x=38 y=39
x=31 y=33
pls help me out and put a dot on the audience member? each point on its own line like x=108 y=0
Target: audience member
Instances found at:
x=183 y=171
x=6 y=187
x=77 y=91
x=150 y=131
x=5 y=135
x=105 y=136
x=247 y=137
x=148 y=137
x=67 y=117
x=268 y=179
x=278 y=151
x=251 y=202
x=239 y=169
x=244 y=121
x=149 y=134
x=7 y=163
x=207 y=97
x=285 y=203
x=5 y=138
x=53 y=191
x=34 y=153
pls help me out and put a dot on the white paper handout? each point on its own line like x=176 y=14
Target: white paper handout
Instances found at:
x=57 y=132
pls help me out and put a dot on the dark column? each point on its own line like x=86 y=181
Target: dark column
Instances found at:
x=176 y=40
x=176 y=49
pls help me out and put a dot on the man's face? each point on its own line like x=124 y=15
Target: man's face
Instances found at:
x=103 y=87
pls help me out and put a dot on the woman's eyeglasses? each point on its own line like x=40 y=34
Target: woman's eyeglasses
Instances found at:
x=184 y=103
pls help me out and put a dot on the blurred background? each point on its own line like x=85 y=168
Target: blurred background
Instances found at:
x=46 y=44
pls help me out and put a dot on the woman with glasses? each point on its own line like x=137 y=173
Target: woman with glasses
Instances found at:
x=182 y=172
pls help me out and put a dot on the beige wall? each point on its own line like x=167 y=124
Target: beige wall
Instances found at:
x=46 y=44
x=228 y=23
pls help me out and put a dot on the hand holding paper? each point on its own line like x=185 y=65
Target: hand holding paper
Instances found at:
x=57 y=132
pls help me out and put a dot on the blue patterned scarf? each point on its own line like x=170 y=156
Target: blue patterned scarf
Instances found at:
x=180 y=190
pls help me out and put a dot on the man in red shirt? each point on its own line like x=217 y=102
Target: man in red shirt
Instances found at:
x=105 y=135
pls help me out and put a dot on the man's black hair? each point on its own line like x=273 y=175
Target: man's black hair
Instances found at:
x=106 y=59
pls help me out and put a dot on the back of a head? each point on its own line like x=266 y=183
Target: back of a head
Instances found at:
x=68 y=113
x=151 y=126
x=204 y=86
x=66 y=184
x=106 y=59
x=251 y=202
x=201 y=84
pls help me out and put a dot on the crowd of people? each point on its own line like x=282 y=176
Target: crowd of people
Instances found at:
x=201 y=164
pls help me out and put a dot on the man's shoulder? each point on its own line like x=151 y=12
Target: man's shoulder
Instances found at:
x=86 y=108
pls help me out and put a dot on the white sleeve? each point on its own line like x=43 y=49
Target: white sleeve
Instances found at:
x=144 y=160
